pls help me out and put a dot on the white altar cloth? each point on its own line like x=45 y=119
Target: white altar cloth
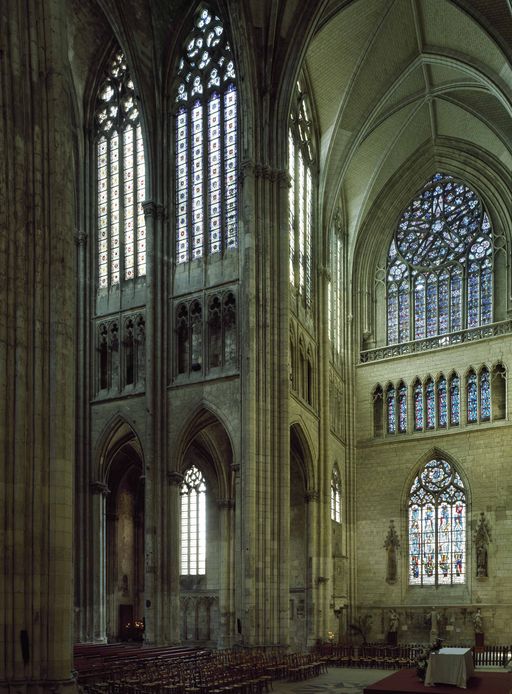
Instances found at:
x=450 y=666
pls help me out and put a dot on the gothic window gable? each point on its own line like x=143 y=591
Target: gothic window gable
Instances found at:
x=206 y=141
x=120 y=178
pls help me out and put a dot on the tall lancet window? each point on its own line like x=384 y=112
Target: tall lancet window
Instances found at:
x=206 y=143
x=301 y=163
x=120 y=179
x=437 y=526
x=336 y=495
x=440 y=264
x=193 y=523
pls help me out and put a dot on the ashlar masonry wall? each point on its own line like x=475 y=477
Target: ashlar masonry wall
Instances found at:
x=386 y=466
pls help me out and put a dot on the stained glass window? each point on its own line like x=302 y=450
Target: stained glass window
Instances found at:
x=206 y=140
x=437 y=526
x=485 y=395
x=440 y=259
x=335 y=294
x=454 y=400
x=391 y=409
x=430 y=404
x=472 y=397
x=336 y=495
x=300 y=200
x=193 y=523
x=120 y=178
x=402 y=408
x=442 y=402
x=418 y=406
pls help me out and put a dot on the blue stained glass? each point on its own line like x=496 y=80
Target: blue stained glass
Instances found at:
x=402 y=408
x=419 y=307
x=485 y=395
x=437 y=526
x=392 y=314
x=391 y=409
x=444 y=288
x=430 y=404
x=473 y=295
x=456 y=301
x=486 y=293
x=418 y=406
x=472 y=397
x=403 y=313
x=442 y=403
x=431 y=306
x=445 y=231
x=454 y=400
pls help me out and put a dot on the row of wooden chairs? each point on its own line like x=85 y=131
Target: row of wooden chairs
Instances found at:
x=250 y=671
x=372 y=656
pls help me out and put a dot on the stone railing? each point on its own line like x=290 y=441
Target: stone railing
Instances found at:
x=428 y=343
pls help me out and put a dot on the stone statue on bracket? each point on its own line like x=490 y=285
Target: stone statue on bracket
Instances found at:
x=391 y=544
x=481 y=538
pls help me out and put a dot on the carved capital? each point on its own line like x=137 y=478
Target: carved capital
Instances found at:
x=226 y=503
x=152 y=209
x=80 y=238
x=325 y=273
x=175 y=478
x=235 y=467
x=258 y=170
x=312 y=495
x=98 y=487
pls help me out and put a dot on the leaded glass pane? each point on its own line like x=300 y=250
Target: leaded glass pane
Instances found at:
x=454 y=400
x=121 y=183
x=485 y=395
x=472 y=397
x=442 y=402
x=418 y=406
x=206 y=143
x=430 y=403
x=193 y=523
x=300 y=199
x=402 y=408
x=440 y=253
x=437 y=526
x=335 y=496
x=391 y=409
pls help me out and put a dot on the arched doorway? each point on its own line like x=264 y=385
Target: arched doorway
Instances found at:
x=124 y=559
x=300 y=561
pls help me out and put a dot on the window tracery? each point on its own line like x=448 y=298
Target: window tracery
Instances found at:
x=120 y=178
x=300 y=200
x=437 y=526
x=206 y=143
x=440 y=264
x=193 y=523
x=336 y=495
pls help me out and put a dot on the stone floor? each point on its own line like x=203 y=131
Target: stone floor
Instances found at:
x=336 y=680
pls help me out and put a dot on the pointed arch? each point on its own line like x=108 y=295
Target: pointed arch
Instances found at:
x=436 y=500
x=117 y=432
x=206 y=430
x=206 y=140
x=301 y=449
x=120 y=176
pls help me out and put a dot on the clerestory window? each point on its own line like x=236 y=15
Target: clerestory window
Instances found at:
x=206 y=140
x=120 y=178
x=440 y=264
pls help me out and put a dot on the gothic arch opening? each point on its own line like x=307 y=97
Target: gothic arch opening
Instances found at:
x=207 y=533
x=124 y=553
x=299 y=559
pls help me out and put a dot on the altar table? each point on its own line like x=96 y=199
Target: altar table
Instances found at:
x=450 y=666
